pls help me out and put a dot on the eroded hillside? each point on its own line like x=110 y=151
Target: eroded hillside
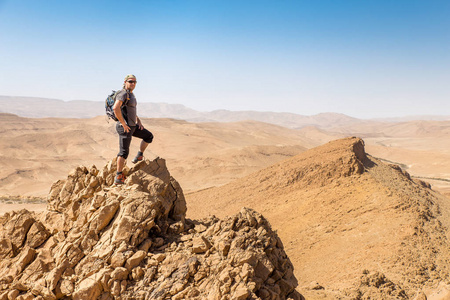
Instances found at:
x=353 y=224
x=36 y=152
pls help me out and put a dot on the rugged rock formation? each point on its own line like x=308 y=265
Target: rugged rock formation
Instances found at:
x=97 y=241
x=351 y=223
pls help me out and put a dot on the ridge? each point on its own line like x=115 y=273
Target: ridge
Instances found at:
x=345 y=217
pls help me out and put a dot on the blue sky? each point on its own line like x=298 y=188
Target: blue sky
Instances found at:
x=362 y=58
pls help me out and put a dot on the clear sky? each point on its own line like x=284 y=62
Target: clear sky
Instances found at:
x=363 y=58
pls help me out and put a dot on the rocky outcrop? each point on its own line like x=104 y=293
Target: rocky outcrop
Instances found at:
x=356 y=227
x=98 y=241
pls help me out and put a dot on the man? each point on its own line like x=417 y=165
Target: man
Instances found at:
x=129 y=125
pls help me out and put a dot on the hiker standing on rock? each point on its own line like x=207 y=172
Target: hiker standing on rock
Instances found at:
x=129 y=125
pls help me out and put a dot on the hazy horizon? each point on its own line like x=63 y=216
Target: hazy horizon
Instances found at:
x=371 y=59
x=436 y=117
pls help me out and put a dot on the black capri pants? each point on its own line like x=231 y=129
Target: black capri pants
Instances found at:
x=125 y=138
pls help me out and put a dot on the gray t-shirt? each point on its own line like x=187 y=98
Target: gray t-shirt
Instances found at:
x=130 y=107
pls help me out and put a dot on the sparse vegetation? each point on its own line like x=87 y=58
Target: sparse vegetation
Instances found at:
x=403 y=166
x=432 y=178
x=21 y=199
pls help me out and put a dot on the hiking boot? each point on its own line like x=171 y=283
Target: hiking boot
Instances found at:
x=139 y=157
x=120 y=179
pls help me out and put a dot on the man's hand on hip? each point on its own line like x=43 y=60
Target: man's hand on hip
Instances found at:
x=139 y=124
x=126 y=128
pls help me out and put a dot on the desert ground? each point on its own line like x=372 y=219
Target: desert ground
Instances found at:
x=34 y=153
x=222 y=167
x=37 y=152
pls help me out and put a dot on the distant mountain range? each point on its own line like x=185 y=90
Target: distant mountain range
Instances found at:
x=33 y=107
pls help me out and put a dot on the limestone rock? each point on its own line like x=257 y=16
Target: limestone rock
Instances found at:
x=97 y=241
x=17 y=226
x=37 y=235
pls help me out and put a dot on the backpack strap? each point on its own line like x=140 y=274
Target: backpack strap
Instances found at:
x=126 y=100
x=123 y=107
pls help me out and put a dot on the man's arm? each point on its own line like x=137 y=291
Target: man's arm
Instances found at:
x=118 y=112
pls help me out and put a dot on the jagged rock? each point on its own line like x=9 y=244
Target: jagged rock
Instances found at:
x=377 y=286
x=135 y=260
x=16 y=227
x=89 y=288
x=314 y=285
x=37 y=235
x=6 y=248
x=97 y=241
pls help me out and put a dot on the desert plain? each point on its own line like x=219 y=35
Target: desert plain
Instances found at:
x=336 y=228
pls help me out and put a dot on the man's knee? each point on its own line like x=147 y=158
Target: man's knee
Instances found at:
x=148 y=138
x=124 y=153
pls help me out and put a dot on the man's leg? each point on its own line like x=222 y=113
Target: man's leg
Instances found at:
x=124 y=143
x=147 y=138
x=143 y=146
x=120 y=163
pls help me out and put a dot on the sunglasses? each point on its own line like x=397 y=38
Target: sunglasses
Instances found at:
x=131 y=81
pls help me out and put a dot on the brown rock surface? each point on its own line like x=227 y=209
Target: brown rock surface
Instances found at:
x=358 y=227
x=97 y=241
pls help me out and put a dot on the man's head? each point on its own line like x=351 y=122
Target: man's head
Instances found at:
x=130 y=82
